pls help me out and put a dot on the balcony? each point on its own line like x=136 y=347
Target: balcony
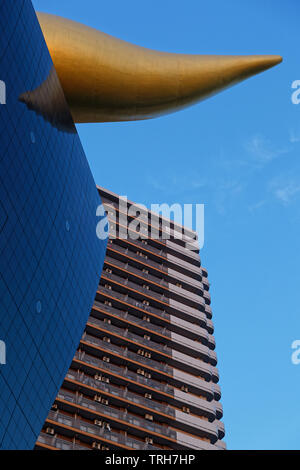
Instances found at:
x=205 y=283
x=117 y=415
x=134 y=286
x=175 y=308
x=185 y=267
x=112 y=368
x=221 y=429
x=145 y=403
x=199 y=386
x=135 y=303
x=131 y=336
x=131 y=254
x=135 y=271
x=195 y=349
x=143 y=245
x=190 y=283
x=121 y=393
x=163 y=227
x=132 y=318
x=207 y=298
x=178 y=325
x=181 y=294
x=99 y=433
x=180 y=361
x=189 y=255
x=184 y=295
x=58 y=443
x=208 y=311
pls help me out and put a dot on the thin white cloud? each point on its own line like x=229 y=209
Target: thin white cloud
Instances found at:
x=257 y=205
x=294 y=136
x=263 y=150
x=286 y=190
x=287 y=193
x=174 y=182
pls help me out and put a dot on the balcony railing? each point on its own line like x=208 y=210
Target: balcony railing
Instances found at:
x=204 y=367
x=183 y=310
x=98 y=432
x=127 y=316
x=132 y=254
x=133 y=302
x=148 y=247
x=139 y=272
x=203 y=386
x=135 y=398
x=59 y=443
x=151 y=326
x=120 y=392
x=125 y=282
x=159 y=366
x=127 y=334
x=113 y=413
x=203 y=350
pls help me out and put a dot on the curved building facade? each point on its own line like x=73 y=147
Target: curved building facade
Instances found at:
x=50 y=257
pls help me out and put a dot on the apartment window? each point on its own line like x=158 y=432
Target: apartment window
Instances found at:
x=145 y=286
x=186 y=410
x=185 y=389
x=106 y=359
x=107 y=320
x=108 y=286
x=147 y=337
x=145 y=302
x=147 y=319
x=106 y=339
x=148 y=395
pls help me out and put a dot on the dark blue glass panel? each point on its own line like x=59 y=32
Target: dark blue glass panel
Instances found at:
x=50 y=256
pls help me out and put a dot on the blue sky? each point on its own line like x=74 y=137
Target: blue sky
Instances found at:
x=239 y=154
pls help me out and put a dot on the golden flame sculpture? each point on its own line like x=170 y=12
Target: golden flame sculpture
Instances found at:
x=106 y=79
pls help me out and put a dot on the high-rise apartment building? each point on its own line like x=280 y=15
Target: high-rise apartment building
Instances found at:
x=144 y=375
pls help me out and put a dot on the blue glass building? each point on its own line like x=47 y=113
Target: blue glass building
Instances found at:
x=50 y=257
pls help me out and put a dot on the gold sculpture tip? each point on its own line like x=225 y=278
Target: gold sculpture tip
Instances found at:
x=106 y=79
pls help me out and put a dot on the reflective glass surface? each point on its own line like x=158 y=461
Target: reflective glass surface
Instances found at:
x=50 y=256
